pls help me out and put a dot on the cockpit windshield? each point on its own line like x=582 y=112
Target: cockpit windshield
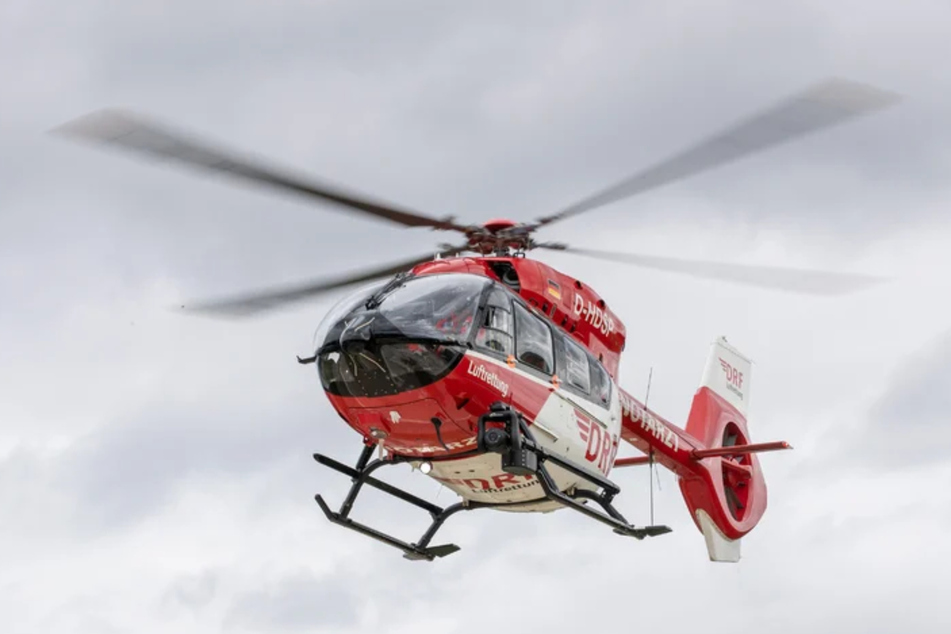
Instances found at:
x=409 y=332
x=398 y=336
x=343 y=308
x=438 y=308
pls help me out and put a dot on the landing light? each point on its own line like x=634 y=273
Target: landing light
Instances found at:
x=426 y=467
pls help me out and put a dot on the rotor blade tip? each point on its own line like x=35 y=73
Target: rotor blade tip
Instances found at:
x=206 y=310
x=852 y=95
x=865 y=282
x=105 y=124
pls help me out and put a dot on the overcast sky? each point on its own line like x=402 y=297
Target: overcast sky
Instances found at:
x=155 y=470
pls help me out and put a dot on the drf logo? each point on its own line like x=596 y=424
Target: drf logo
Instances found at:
x=734 y=378
x=601 y=448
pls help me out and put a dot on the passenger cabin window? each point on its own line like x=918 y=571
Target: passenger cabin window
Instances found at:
x=577 y=373
x=495 y=333
x=600 y=384
x=533 y=344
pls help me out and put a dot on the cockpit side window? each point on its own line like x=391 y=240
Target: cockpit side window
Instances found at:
x=577 y=374
x=600 y=383
x=495 y=333
x=533 y=342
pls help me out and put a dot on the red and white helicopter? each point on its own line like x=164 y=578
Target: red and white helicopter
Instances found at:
x=496 y=375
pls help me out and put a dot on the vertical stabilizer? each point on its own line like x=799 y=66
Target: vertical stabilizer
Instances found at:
x=728 y=375
x=727 y=494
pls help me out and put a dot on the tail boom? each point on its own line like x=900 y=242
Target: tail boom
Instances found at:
x=668 y=445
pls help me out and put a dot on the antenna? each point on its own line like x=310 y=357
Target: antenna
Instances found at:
x=650 y=453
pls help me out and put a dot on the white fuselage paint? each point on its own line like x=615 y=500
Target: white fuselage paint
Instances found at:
x=567 y=425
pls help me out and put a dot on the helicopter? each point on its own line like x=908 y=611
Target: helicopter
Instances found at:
x=497 y=375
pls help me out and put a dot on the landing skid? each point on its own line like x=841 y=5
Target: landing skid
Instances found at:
x=521 y=454
x=421 y=550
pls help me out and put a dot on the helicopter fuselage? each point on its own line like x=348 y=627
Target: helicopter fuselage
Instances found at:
x=585 y=432
x=412 y=366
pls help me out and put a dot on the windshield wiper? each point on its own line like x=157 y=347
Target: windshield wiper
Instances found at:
x=376 y=298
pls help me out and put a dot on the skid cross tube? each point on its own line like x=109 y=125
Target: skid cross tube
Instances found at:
x=421 y=550
x=362 y=475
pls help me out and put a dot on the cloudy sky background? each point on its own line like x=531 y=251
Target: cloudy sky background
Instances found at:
x=155 y=470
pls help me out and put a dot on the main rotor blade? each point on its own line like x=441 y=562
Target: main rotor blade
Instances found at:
x=822 y=106
x=251 y=304
x=796 y=280
x=133 y=132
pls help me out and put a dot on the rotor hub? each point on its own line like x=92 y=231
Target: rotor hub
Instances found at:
x=500 y=236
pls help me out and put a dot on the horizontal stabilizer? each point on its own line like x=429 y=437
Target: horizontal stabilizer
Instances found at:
x=737 y=450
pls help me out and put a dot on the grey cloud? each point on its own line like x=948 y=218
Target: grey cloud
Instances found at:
x=192 y=592
x=298 y=602
x=97 y=623
x=907 y=426
x=128 y=470
x=911 y=423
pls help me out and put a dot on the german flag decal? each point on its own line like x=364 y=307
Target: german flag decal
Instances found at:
x=554 y=290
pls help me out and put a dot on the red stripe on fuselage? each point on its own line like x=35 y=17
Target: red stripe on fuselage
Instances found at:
x=458 y=400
